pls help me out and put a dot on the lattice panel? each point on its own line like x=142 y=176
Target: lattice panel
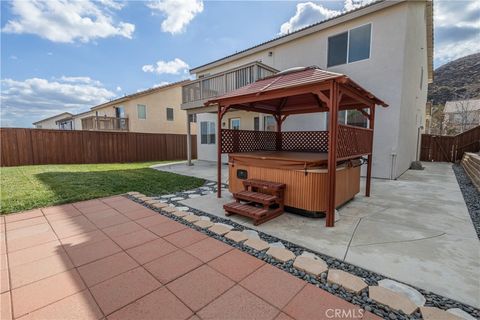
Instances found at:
x=305 y=141
x=353 y=141
x=248 y=141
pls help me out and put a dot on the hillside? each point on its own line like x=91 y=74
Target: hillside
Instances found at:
x=458 y=79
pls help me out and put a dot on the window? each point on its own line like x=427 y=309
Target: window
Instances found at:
x=207 y=132
x=120 y=112
x=192 y=118
x=349 y=46
x=256 y=123
x=235 y=124
x=142 y=111
x=170 y=114
x=269 y=123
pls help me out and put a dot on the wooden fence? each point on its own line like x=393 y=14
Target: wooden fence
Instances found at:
x=449 y=148
x=40 y=146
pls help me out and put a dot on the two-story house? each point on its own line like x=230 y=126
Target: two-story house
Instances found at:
x=386 y=47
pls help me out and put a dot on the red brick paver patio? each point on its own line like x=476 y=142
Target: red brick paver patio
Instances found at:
x=113 y=258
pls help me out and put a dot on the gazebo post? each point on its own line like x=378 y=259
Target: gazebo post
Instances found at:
x=371 y=124
x=332 y=153
x=278 y=146
x=219 y=152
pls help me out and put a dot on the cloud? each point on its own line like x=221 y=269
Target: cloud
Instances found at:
x=178 y=13
x=457 y=29
x=309 y=13
x=118 y=89
x=176 y=66
x=67 y=21
x=24 y=102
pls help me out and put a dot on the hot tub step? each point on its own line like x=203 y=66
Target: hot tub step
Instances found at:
x=259 y=215
x=265 y=199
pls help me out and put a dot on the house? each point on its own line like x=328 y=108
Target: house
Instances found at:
x=51 y=122
x=461 y=115
x=155 y=110
x=386 y=47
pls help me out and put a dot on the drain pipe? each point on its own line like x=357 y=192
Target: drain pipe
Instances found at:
x=417 y=157
x=392 y=169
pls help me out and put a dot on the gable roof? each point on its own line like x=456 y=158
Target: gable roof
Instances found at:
x=64 y=114
x=139 y=94
x=345 y=16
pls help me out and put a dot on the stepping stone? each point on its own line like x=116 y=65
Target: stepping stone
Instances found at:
x=189 y=191
x=177 y=199
x=153 y=201
x=460 y=313
x=346 y=280
x=180 y=213
x=257 y=244
x=310 y=265
x=409 y=292
x=220 y=229
x=236 y=236
x=159 y=205
x=281 y=254
x=168 y=196
x=169 y=209
x=194 y=196
x=392 y=299
x=204 y=223
x=251 y=234
x=191 y=218
x=133 y=193
x=182 y=208
x=139 y=195
x=432 y=313
x=144 y=198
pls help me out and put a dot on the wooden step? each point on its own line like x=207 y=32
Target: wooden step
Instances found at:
x=245 y=209
x=262 y=184
x=265 y=199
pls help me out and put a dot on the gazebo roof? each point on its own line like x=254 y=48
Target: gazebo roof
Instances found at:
x=291 y=91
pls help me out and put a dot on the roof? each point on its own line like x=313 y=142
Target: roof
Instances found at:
x=64 y=114
x=462 y=105
x=139 y=94
x=293 y=78
x=369 y=8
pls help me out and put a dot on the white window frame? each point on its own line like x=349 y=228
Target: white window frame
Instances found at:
x=235 y=119
x=348 y=45
x=138 y=113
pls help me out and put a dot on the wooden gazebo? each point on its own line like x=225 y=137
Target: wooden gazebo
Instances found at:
x=301 y=91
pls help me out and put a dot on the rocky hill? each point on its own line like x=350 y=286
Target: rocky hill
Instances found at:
x=458 y=79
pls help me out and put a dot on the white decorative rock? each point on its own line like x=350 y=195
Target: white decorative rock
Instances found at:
x=460 y=313
x=177 y=199
x=182 y=208
x=346 y=280
x=405 y=290
x=167 y=196
x=277 y=244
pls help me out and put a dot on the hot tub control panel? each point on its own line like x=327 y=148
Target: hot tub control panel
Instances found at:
x=242 y=174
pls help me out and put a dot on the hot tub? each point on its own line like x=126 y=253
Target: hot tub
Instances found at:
x=305 y=176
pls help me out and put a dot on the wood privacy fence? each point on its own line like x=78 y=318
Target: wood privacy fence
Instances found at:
x=40 y=146
x=449 y=148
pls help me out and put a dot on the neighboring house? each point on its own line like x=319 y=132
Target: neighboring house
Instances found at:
x=461 y=115
x=51 y=122
x=155 y=110
x=386 y=47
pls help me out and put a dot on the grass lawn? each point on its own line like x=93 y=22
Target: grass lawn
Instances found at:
x=28 y=187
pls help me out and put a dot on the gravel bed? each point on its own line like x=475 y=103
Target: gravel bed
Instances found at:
x=371 y=278
x=470 y=195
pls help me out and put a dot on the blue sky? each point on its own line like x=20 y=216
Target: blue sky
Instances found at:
x=61 y=56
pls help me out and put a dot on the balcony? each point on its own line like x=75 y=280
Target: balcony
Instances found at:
x=197 y=92
x=105 y=123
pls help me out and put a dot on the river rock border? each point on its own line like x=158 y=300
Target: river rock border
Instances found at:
x=471 y=195
x=361 y=299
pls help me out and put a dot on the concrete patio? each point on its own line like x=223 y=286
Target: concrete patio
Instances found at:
x=112 y=258
x=416 y=229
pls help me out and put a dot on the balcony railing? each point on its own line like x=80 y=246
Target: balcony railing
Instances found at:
x=195 y=93
x=105 y=123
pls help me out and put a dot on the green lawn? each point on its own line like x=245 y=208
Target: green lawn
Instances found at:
x=28 y=187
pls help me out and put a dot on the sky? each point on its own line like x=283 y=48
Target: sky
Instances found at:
x=67 y=56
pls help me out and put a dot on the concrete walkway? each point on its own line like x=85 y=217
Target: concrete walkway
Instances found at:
x=113 y=258
x=416 y=230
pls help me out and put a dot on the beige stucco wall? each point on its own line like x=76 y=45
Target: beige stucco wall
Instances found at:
x=50 y=123
x=156 y=104
x=391 y=73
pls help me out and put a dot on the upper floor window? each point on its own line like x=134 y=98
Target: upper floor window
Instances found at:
x=142 y=111
x=192 y=117
x=349 y=46
x=170 y=114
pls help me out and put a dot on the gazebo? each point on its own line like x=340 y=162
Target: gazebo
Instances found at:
x=301 y=91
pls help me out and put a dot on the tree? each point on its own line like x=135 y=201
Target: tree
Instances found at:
x=464 y=116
